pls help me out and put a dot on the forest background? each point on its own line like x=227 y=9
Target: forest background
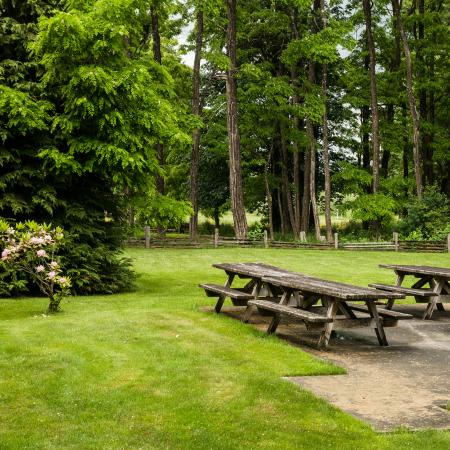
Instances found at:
x=293 y=109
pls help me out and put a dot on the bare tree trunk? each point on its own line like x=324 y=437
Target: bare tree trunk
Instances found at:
x=373 y=97
x=285 y=180
x=269 y=195
x=411 y=101
x=312 y=163
x=326 y=158
x=237 y=195
x=310 y=131
x=281 y=212
x=197 y=111
x=365 y=137
x=296 y=150
x=326 y=150
x=306 y=190
x=426 y=149
x=312 y=177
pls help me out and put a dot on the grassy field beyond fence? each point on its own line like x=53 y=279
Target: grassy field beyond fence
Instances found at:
x=148 y=369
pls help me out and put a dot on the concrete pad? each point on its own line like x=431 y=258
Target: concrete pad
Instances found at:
x=404 y=385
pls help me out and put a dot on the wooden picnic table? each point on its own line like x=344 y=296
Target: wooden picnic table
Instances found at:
x=437 y=278
x=267 y=281
x=340 y=302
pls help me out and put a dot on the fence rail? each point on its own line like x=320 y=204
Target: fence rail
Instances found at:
x=151 y=240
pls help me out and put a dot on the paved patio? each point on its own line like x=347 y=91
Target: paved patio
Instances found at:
x=404 y=385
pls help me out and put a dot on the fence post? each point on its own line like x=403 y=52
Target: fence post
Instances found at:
x=216 y=237
x=147 y=236
x=395 y=237
x=336 y=241
x=266 y=239
x=448 y=243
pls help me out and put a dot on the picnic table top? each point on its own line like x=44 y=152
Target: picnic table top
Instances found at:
x=342 y=291
x=281 y=277
x=419 y=270
x=252 y=269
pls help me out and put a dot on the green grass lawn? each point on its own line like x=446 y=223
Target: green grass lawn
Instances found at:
x=147 y=369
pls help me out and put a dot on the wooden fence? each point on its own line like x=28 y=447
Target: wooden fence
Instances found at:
x=153 y=240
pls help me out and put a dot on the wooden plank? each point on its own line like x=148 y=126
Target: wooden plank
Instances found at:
x=212 y=290
x=290 y=311
x=404 y=290
x=424 y=270
x=381 y=312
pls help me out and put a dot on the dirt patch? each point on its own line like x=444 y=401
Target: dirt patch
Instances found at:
x=403 y=385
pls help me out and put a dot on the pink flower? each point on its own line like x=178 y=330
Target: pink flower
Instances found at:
x=5 y=254
x=63 y=281
x=51 y=275
x=40 y=268
x=54 y=264
x=41 y=253
x=36 y=240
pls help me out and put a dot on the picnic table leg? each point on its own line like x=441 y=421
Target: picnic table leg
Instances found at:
x=433 y=302
x=379 y=330
x=400 y=278
x=248 y=312
x=277 y=317
x=257 y=289
x=445 y=290
x=332 y=308
x=221 y=298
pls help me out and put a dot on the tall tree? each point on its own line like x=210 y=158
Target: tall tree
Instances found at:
x=397 y=4
x=311 y=131
x=367 y=7
x=196 y=110
x=236 y=192
x=325 y=142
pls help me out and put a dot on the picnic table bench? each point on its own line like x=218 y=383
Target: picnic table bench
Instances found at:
x=437 y=278
x=279 y=286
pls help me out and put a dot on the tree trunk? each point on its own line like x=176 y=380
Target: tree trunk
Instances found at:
x=426 y=149
x=411 y=101
x=269 y=195
x=373 y=97
x=326 y=150
x=405 y=157
x=237 y=196
x=326 y=157
x=196 y=111
x=312 y=164
x=296 y=150
x=306 y=191
x=365 y=137
x=216 y=215
x=281 y=212
x=285 y=181
x=160 y=183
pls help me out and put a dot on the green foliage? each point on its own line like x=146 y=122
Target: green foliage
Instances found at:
x=373 y=208
x=163 y=211
x=428 y=218
x=256 y=231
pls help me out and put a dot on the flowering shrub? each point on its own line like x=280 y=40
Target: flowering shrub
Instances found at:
x=32 y=248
